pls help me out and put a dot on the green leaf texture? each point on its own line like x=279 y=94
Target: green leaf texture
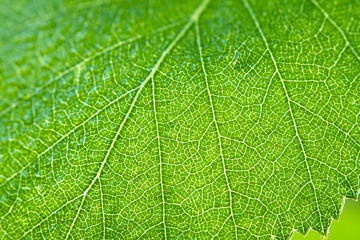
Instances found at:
x=232 y=119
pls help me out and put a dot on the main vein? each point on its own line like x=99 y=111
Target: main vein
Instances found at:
x=88 y=119
x=327 y=16
x=198 y=41
x=193 y=19
x=19 y=101
x=160 y=159
x=257 y=24
x=65 y=136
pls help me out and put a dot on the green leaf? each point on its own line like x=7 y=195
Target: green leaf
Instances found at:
x=177 y=119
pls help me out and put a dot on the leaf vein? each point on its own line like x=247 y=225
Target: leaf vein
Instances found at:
x=257 y=24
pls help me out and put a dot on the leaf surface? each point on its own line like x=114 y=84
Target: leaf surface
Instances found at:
x=177 y=119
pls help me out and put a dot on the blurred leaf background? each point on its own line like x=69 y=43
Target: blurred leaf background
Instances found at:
x=347 y=228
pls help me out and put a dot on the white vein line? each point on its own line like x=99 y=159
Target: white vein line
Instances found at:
x=109 y=150
x=80 y=64
x=327 y=16
x=160 y=159
x=69 y=70
x=257 y=24
x=102 y=209
x=331 y=123
x=193 y=18
x=198 y=40
x=51 y=214
x=66 y=135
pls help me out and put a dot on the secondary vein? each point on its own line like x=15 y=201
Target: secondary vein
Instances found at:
x=198 y=41
x=195 y=16
x=257 y=24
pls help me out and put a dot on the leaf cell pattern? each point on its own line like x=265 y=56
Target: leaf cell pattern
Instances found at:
x=177 y=119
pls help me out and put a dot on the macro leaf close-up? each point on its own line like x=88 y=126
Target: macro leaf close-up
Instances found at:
x=169 y=119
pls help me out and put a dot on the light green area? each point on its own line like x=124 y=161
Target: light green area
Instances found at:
x=347 y=227
x=191 y=119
